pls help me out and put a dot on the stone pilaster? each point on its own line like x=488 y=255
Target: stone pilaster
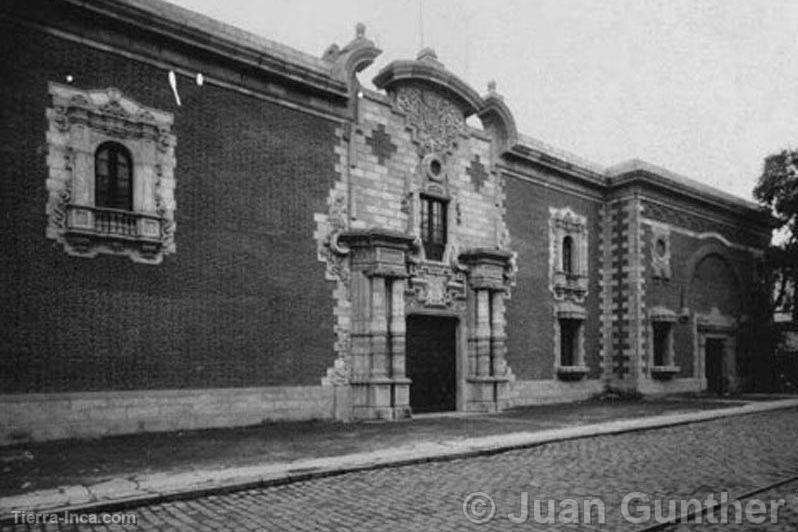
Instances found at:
x=397 y=344
x=379 y=385
x=606 y=289
x=637 y=279
x=488 y=375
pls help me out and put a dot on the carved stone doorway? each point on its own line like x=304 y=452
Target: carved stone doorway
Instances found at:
x=431 y=363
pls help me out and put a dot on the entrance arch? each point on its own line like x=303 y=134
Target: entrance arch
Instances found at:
x=715 y=296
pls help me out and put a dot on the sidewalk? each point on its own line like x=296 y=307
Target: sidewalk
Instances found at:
x=127 y=470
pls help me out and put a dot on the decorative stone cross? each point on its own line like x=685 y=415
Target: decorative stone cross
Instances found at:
x=381 y=144
x=477 y=173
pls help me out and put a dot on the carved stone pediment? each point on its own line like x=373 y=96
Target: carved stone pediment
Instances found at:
x=437 y=121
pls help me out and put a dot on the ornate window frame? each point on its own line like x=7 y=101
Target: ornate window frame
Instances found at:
x=564 y=222
x=578 y=369
x=661 y=251
x=79 y=122
x=663 y=317
x=427 y=207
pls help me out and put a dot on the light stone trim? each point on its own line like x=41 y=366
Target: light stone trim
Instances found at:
x=637 y=282
x=533 y=392
x=568 y=310
x=668 y=316
x=49 y=416
x=329 y=226
x=79 y=122
x=660 y=264
x=565 y=222
x=606 y=289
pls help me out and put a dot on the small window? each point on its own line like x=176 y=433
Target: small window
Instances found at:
x=661 y=247
x=569 y=335
x=113 y=177
x=568 y=255
x=661 y=339
x=433 y=227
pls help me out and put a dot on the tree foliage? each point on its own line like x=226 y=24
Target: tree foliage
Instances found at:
x=778 y=190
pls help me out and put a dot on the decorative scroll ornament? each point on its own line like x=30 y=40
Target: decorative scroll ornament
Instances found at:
x=438 y=121
x=335 y=255
x=331 y=250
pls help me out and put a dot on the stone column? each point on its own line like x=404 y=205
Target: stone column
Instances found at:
x=360 y=337
x=378 y=326
x=487 y=369
x=498 y=337
x=380 y=387
x=483 y=333
x=397 y=341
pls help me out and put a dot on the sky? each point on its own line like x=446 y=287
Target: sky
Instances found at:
x=705 y=88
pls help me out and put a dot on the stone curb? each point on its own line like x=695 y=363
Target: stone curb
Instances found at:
x=118 y=494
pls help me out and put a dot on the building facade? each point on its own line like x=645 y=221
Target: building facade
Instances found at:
x=206 y=228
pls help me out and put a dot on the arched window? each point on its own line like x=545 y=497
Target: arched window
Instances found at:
x=113 y=177
x=568 y=255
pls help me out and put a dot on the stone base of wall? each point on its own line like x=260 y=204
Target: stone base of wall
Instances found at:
x=553 y=391
x=661 y=387
x=37 y=417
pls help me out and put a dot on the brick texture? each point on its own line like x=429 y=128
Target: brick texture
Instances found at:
x=530 y=342
x=243 y=302
x=713 y=284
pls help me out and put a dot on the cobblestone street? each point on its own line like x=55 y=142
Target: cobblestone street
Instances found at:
x=734 y=455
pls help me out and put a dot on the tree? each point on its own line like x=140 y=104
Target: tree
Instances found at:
x=777 y=189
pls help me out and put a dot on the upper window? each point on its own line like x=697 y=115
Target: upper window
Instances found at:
x=113 y=177
x=567 y=255
x=660 y=251
x=94 y=138
x=433 y=227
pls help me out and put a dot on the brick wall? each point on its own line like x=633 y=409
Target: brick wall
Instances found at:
x=713 y=284
x=243 y=302
x=530 y=349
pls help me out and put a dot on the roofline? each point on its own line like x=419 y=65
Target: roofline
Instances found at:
x=197 y=30
x=434 y=74
x=638 y=172
x=294 y=67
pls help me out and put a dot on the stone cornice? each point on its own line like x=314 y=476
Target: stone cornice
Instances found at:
x=182 y=28
x=647 y=176
x=376 y=237
x=529 y=156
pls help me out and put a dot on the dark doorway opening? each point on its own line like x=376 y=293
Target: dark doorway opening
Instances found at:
x=716 y=380
x=430 y=363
